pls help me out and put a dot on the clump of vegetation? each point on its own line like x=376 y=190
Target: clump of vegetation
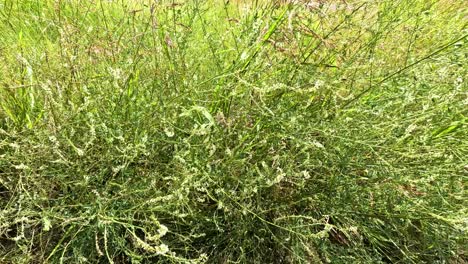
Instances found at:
x=226 y=132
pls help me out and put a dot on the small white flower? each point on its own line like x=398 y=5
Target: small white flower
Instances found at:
x=14 y=145
x=162 y=249
x=46 y=224
x=353 y=229
x=79 y=151
x=244 y=56
x=318 y=84
x=411 y=128
x=169 y=131
x=162 y=230
x=117 y=169
x=318 y=144
x=21 y=167
x=280 y=175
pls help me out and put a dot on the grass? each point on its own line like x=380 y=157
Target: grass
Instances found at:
x=200 y=131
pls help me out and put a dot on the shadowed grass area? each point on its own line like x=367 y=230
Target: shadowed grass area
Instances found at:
x=218 y=132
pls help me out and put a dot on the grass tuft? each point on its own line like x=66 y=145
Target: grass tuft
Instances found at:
x=233 y=132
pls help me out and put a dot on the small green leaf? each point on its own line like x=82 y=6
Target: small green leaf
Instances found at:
x=446 y=130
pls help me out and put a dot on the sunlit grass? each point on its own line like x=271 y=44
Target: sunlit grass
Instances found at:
x=218 y=132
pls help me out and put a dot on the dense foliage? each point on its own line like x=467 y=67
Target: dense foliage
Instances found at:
x=193 y=132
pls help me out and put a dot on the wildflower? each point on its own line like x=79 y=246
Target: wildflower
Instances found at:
x=162 y=249
x=162 y=230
